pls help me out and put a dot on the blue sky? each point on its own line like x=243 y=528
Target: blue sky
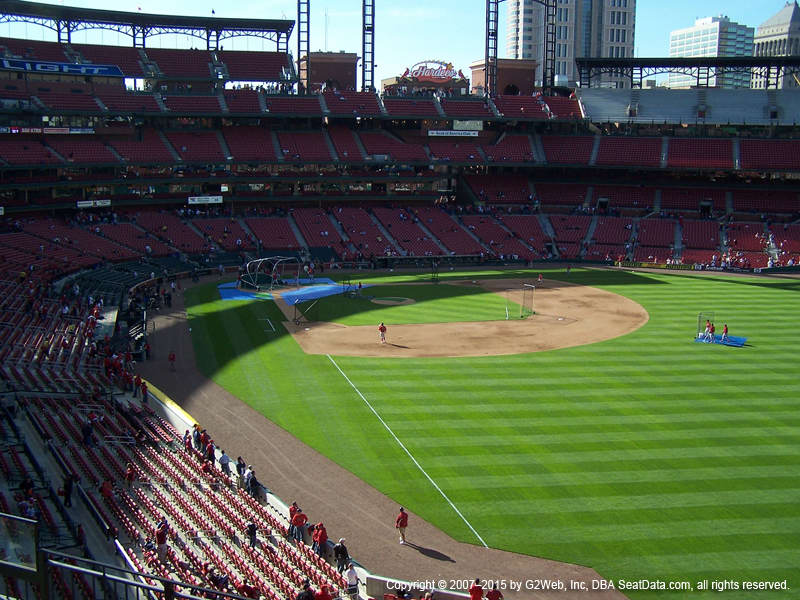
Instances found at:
x=407 y=31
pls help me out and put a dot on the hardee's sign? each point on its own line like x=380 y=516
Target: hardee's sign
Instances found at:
x=434 y=71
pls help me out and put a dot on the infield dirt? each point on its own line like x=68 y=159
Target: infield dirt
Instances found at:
x=566 y=315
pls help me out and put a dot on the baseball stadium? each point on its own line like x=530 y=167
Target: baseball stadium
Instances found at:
x=268 y=332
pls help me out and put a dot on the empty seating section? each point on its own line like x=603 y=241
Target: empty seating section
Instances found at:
x=64 y=96
x=652 y=254
x=496 y=238
x=691 y=198
x=613 y=230
x=225 y=233
x=173 y=231
x=318 y=230
x=626 y=196
x=691 y=256
x=414 y=107
x=147 y=149
x=79 y=239
x=563 y=108
x=23 y=151
x=505 y=189
x=381 y=143
x=50 y=258
x=569 y=150
x=129 y=235
x=459 y=150
x=127 y=59
x=770 y=154
x=242 y=101
x=621 y=151
x=14 y=90
x=308 y=146
x=569 y=194
x=181 y=63
x=605 y=105
x=363 y=233
x=246 y=65
x=294 y=105
x=466 y=108
x=408 y=235
x=511 y=148
x=766 y=201
x=520 y=107
x=193 y=104
x=605 y=252
x=700 y=153
x=570 y=229
x=527 y=228
x=273 y=233
x=118 y=99
x=749 y=237
x=352 y=103
x=787 y=238
x=196 y=145
x=76 y=149
x=449 y=232
x=657 y=232
x=700 y=234
x=249 y=143
x=24 y=48
x=344 y=141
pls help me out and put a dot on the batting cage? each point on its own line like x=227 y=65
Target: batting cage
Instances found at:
x=266 y=273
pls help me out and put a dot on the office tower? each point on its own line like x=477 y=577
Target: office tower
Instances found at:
x=779 y=36
x=711 y=36
x=584 y=28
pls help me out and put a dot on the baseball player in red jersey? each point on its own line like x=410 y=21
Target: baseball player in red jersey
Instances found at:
x=400 y=523
x=724 y=333
x=382 y=332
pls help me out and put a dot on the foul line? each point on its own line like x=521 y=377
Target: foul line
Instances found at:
x=406 y=450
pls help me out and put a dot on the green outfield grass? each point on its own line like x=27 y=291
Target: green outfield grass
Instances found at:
x=646 y=456
x=433 y=304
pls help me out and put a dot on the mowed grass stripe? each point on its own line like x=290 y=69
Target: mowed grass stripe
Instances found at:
x=688 y=435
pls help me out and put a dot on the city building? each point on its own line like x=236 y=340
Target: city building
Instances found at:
x=779 y=36
x=584 y=28
x=711 y=37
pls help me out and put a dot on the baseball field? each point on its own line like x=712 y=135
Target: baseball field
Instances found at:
x=620 y=444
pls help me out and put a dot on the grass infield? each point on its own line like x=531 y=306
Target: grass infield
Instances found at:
x=646 y=456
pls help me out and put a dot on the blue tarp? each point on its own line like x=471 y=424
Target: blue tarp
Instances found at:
x=736 y=342
x=313 y=292
x=229 y=291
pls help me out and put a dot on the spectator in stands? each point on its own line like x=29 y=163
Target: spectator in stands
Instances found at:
x=247 y=590
x=196 y=436
x=87 y=430
x=143 y=389
x=210 y=451
x=254 y=486
x=494 y=593
x=252 y=533
x=299 y=521
x=204 y=438
x=172 y=360
x=241 y=467
x=67 y=489
x=130 y=475
x=342 y=555
x=306 y=593
x=476 y=590
x=161 y=540
x=352 y=581
x=26 y=486
x=224 y=463
x=324 y=593
x=319 y=539
x=107 y=490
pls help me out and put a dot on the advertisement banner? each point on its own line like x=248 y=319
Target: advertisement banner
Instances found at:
x=205 y=200
x=451 y=133
x=40 y=66
x=94 y=203
x=468 y=125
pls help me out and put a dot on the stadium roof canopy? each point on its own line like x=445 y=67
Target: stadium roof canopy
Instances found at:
x=703 y=69
x=65 y=20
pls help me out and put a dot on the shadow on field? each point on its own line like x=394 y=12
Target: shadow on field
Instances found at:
x=225 y=331
x=772 y=283
x=430 y=552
